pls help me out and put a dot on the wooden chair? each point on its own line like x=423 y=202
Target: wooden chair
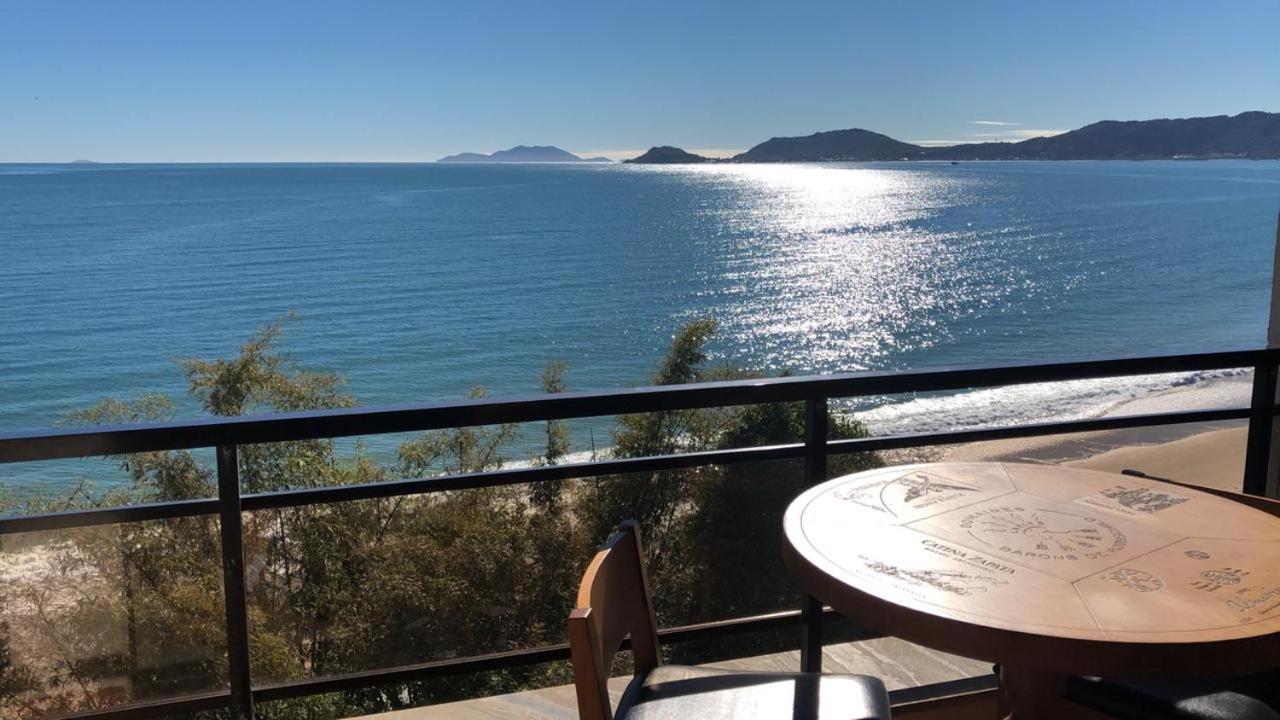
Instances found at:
x=1248 y=697
x=614 y=603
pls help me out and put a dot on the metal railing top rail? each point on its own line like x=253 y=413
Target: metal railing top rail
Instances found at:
x=347 y=422
x=414 y=486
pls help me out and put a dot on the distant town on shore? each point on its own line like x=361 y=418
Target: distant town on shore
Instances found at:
x=1251 y=135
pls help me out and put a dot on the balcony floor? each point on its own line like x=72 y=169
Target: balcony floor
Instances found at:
x=898 y=663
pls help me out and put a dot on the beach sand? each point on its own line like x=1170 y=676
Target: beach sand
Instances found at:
x=1209 y=454
x=1211 y=457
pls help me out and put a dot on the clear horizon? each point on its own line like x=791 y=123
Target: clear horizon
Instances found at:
x=148 y=81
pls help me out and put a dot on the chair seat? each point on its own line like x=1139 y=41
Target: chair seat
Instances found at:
x=681 y=692
x=1248 y=697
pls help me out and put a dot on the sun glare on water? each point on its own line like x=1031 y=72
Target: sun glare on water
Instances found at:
x=834 y=266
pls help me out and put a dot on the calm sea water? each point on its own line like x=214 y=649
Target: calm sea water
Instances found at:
x=420 y=281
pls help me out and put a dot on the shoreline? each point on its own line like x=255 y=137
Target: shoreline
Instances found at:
x=1210 y=454
x=990 y=407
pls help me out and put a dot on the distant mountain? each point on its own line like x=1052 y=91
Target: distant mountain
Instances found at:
x=853 y=145
x=1247 y=135
x=535 y=153
x=466 y=157
x=521 y=154
x=667 y=155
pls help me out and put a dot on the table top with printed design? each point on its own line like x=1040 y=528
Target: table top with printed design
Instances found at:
x=1050 y=567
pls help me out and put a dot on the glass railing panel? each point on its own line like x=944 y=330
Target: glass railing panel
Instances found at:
x=94 y=618
x=357 y=586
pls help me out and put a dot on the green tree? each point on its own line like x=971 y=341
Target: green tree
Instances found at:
x=743 y=572
x=343 y=587
x=712 y=533
x=546 y=495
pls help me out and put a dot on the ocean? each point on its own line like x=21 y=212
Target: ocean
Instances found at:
x=418 y=282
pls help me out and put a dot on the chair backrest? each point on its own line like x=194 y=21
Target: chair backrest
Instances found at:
x=613 y=603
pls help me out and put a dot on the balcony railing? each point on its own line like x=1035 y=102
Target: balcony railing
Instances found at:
x=227 y=434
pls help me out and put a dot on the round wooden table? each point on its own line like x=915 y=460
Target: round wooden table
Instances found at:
x=1048 y=571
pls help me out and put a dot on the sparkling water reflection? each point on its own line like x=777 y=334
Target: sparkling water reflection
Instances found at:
x=417 y=282
x=847 y=267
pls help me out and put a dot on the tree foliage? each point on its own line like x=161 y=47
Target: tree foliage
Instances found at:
x=546 y=495
x=342 y=587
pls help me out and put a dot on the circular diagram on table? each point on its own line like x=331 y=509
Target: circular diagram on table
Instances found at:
x=1044 y=533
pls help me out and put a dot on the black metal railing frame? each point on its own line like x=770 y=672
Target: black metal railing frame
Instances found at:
x=227 y=434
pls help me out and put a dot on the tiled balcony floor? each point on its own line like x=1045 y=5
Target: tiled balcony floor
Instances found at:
x=898 y=663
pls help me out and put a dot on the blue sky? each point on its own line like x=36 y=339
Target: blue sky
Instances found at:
x=410 y=80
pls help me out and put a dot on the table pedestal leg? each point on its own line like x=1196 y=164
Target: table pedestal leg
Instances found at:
x=1033 y=694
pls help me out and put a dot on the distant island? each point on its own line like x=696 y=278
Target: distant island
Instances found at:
x=1250 y=135
x=522 y=154
x=667 y=155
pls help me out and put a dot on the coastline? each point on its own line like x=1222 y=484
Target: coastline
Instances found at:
x=1210 y=454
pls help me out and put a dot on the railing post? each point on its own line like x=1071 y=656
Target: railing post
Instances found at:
x=1262 y=457
x=815 y=471
x=1257 y=457
x=231 y=531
